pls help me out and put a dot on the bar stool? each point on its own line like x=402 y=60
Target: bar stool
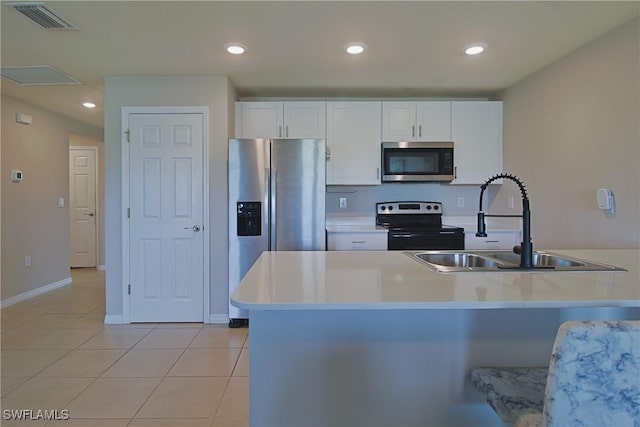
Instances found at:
x=593 y=380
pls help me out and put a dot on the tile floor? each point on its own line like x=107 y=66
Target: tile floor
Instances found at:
x=58 y=355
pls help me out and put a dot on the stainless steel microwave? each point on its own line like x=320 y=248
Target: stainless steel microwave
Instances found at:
x=417 y=161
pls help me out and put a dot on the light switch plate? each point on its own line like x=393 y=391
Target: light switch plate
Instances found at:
x=61 y=202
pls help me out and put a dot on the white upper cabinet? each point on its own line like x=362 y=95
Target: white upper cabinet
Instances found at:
x=476 y=128
x=353 y=143
x=280 y=120
x=416 y=121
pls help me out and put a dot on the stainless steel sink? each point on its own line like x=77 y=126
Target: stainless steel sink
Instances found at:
x=452 y=259
x=540 y=259
x=503 y=261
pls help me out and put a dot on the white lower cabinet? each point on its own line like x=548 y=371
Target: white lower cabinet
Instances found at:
x=360 y=241
x=494 y=240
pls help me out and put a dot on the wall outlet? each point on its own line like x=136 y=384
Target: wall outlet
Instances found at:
x=27 y=261
x=343 y=202
x=461 y=202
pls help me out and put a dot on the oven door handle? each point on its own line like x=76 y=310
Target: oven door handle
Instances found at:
x=403 y=235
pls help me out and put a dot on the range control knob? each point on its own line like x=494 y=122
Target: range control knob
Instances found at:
x=436 y=207
x=383 y=208
x=428 y=207
x=390 y=208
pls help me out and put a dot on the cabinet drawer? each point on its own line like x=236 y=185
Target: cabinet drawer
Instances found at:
x=346 y=241
x=494 y=240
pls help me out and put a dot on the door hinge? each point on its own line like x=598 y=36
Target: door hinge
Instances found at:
x=129 y=290
x=128 y=132
x=128 y=212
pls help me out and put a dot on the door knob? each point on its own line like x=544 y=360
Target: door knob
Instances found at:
x=196 y=228
x=89 y=214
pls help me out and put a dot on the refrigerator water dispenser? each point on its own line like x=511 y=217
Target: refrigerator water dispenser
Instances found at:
x=249 y=215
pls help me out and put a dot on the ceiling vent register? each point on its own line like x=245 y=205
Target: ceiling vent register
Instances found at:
x=42 y=15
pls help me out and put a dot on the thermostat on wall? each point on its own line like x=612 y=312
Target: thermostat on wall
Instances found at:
x=16 y=176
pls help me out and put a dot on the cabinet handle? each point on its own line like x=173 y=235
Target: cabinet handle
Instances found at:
x=377 y=173
x=455 y=172
x=327 y=153
x=413 y=131
x=280 y=131
x=420 y=130
x=286 y=131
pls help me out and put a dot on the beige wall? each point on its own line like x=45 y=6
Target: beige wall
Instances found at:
x=81 y=141
x=32 y=223
x=213 y=92
x=574 y=127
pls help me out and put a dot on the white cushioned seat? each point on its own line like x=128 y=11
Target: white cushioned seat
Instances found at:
x=593 y=380
x=514 y=393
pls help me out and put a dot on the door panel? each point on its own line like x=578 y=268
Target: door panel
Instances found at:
x=82 y=192
x=249 y=161
x=299 y=170
x=166 y=202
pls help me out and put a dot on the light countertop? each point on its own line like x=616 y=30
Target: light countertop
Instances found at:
x=353 y=224
x=393 y=280
x=364 y=224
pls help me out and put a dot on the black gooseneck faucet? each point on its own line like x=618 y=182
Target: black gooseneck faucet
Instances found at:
x=526 y=246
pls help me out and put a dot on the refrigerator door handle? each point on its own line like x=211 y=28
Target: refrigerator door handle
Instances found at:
x=266 y=211
x=274 y=211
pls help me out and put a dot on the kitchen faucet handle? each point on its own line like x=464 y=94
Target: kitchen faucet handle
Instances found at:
x=482 y=228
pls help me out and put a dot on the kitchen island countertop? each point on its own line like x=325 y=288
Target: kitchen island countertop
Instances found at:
x=393 y=280
x=376 y=338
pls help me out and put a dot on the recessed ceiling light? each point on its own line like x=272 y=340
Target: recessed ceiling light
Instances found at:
x=355 y=48
x=474 y=49
x=235 y=48
x=88 y=105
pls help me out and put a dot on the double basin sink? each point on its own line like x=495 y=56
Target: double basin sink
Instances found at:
x=505 y=261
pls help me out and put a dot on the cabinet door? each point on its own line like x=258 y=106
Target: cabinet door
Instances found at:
x=504 y=240
x=353 y=140
x=260 y=120
x=434 y=121
x=399 y=121
x=476 y=130
x=305 y=120
x=345 y=241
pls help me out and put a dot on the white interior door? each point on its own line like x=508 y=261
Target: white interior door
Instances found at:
x=82 y=202
x=166 y=236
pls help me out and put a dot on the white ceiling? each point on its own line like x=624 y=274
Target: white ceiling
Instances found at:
x=295 y=48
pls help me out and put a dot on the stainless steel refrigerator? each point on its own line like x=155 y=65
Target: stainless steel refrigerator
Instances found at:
x=276 y=202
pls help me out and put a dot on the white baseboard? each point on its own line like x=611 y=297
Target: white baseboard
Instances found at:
x=102 y=268
x=111 y=319
x=119 y=319
x=35 y=292
x=218 y=318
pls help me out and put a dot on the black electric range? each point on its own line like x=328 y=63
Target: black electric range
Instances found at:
x=417 y=226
